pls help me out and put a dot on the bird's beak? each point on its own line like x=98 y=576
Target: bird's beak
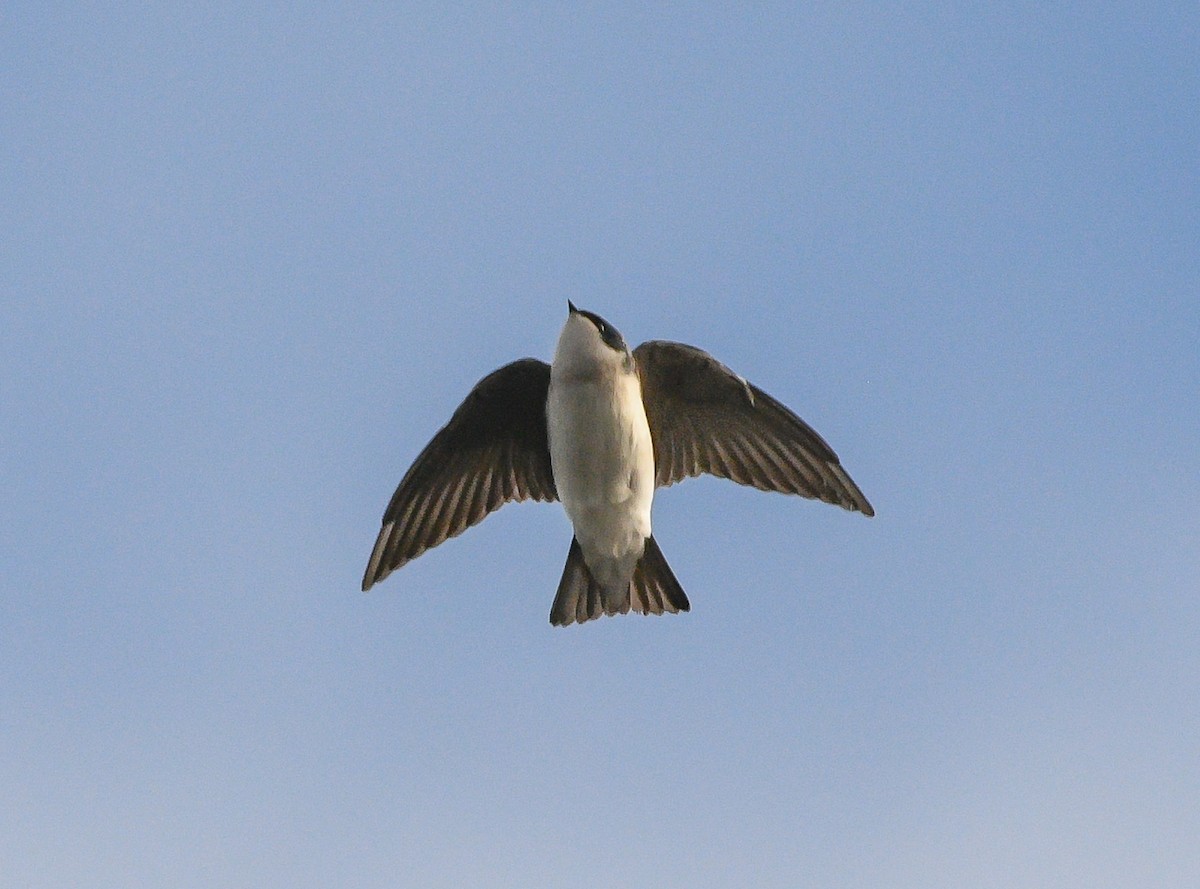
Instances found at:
x=571 y=310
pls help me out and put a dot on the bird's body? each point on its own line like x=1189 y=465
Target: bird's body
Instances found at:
x=601 y=453
x=600 y=429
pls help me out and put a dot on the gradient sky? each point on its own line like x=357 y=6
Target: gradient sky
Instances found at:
x=254 y=256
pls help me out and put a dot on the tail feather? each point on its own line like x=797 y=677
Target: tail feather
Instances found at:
x=579 y=597
x=652 y=590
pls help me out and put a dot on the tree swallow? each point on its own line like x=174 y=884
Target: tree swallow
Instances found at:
x=600 y=429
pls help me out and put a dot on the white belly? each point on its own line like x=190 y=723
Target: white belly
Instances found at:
x=603 y=462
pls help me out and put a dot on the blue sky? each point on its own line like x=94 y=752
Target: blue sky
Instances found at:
x=253 y=258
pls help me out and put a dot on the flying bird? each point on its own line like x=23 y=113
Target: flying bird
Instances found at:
x=600 y=429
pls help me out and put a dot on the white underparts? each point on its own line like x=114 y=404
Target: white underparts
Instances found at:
x=602 y=456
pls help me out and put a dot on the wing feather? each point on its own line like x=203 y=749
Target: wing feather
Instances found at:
x=704 y=418
x=493 y=450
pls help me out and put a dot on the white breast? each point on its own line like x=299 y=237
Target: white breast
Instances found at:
x=603 y=462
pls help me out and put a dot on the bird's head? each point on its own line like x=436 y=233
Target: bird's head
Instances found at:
x=588 y=344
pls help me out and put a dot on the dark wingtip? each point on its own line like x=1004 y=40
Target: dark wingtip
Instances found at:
x=857 y=499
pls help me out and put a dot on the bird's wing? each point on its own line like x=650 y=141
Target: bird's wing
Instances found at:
x=494 y=449
x=705 y=418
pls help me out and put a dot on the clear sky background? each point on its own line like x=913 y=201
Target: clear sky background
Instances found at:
x=253 y=256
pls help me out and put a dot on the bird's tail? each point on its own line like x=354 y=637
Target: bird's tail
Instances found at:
x=653 y=589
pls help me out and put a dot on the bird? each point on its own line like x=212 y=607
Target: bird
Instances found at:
x=599 y=429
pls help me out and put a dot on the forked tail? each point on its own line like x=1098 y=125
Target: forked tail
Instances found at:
x=652 y=590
